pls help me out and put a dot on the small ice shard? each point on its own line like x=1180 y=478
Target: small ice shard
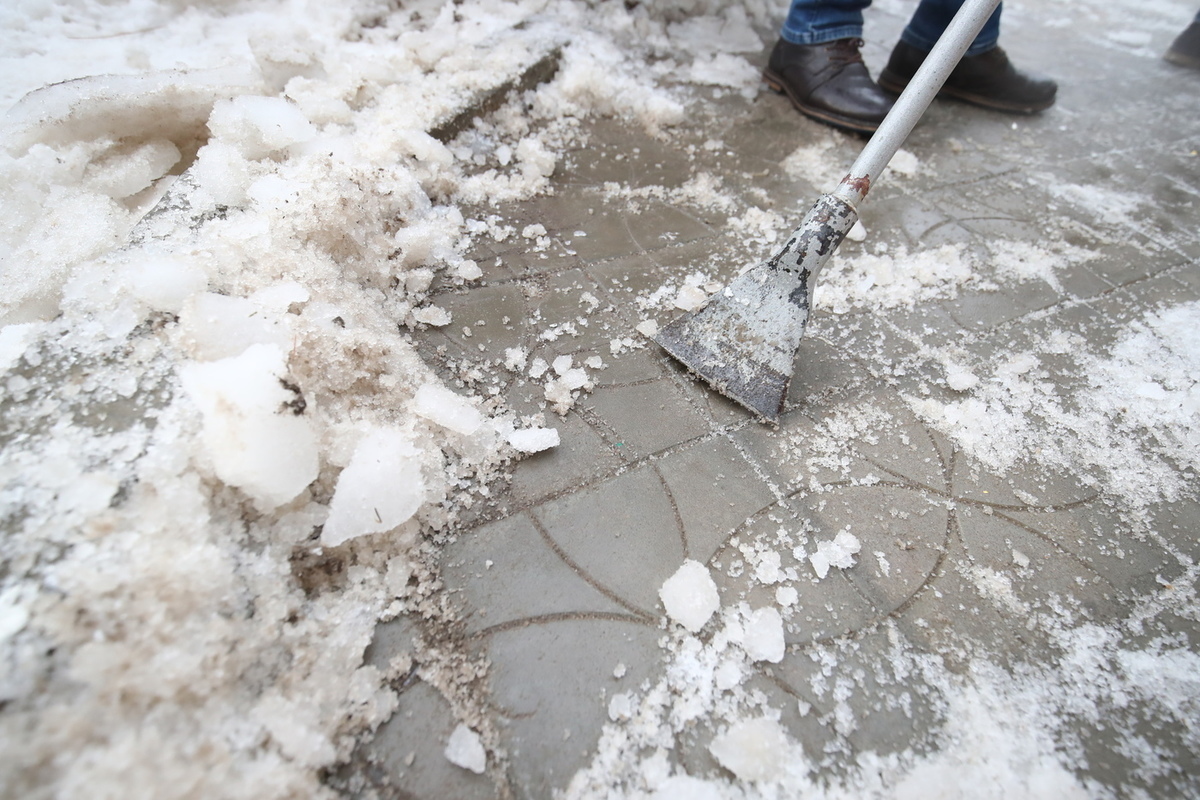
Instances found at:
x=753 y=749
x=465 y=749
x=533 y=440
x=690 y=595
x=787 y=596
x=763 y=635
x=515 y=359
x=1020 y=559
x=648 y=328
x=379 y=489
x=451 y=411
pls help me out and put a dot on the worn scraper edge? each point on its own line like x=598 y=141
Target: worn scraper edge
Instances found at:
x=745 y=340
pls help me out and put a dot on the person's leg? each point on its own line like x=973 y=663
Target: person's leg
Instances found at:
x=816 y=63
x=1185 y=50
x=984 y=77
x=933 y=16
x=821 y=21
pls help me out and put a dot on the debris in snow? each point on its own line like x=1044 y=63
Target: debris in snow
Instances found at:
x=836 y=553
x=690 y=595
x=465 y=749
x=533 y=440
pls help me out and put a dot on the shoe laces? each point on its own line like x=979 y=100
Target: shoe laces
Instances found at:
x=846 y=51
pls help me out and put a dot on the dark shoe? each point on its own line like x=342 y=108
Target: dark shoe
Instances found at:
x=829 y=83
x=988 y=79
x=1185 y=50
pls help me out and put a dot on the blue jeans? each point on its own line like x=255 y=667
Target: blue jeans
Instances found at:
x=820 y=21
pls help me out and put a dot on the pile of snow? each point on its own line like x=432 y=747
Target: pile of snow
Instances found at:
x=221 y=448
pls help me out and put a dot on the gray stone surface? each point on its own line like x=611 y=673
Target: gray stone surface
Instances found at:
x=558 y=584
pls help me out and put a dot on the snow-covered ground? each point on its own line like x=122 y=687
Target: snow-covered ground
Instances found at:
x=220 y=224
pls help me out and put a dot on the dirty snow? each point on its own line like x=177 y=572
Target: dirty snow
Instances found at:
x=224 y=462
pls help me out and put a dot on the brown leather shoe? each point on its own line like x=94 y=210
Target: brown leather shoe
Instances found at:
x=988 y=80
x=829 y=83
x=1185 y=50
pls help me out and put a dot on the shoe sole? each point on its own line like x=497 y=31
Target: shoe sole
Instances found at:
x=1181 y=59
x=777 y=85
x=896 y=86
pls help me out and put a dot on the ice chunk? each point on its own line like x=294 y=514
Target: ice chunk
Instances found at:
x=453 y=411
x=786 y=596
x=690 y=595
x=648 y=328
x=432 y=315
x=534 y=440
x=14 y=340
x=562 y=364
x=904 y=163
x=165 y=282
x=960 y=379
x=253 y=438
x=515 y=358
x=753 y=750
x=620 y=707
x=465 y=749
x=13 y=616
x=767 y=570
x=259 y=126
x=857 y=232
x=690 y=298
x=468 y=270
x=837 y=553
x=216 y=326
x=381 y=487
x=763 y=635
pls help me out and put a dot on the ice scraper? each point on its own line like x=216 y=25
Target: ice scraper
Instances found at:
x=744 y=341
